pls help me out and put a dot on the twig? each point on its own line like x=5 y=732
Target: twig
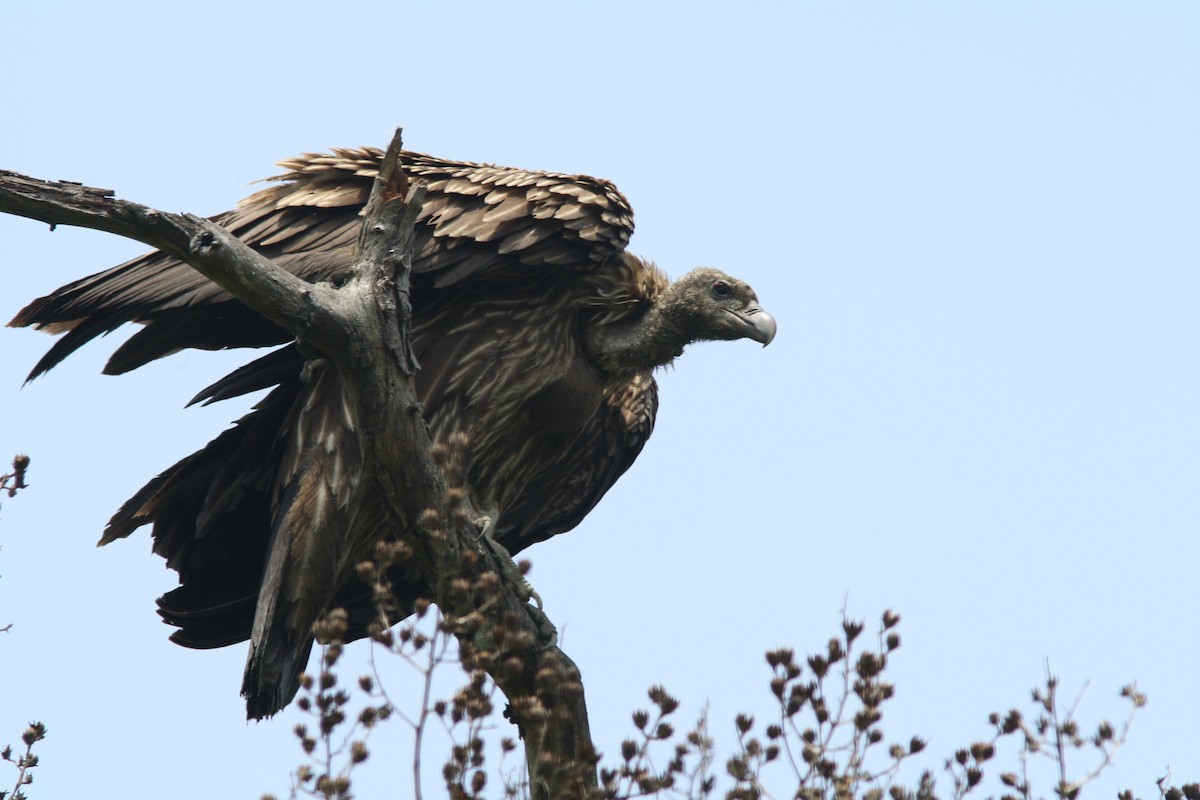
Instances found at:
x=12 y=482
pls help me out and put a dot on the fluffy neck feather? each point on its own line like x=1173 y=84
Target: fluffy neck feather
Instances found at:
x=643 y=342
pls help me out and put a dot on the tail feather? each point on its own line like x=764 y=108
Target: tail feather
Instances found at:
x=278 y=651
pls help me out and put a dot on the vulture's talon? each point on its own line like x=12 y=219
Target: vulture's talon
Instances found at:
x=486 y=526
x=533 y=595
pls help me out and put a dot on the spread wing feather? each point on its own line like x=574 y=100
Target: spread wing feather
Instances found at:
x=478 y=219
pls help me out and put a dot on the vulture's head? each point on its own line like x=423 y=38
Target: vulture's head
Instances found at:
x=704 y=305
x=707 y=304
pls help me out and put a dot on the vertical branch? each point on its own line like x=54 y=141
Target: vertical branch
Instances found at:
x=491 y=620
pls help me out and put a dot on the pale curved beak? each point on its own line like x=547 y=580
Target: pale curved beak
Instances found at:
x=758 y=324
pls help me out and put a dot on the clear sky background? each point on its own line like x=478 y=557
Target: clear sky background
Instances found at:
x=975 y=223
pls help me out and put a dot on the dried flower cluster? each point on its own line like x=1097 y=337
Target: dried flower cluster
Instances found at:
x=332 y=750
x=23 y=762
x=1052 y=735
x=12 y=482
x=691 y=758
x=828 y=723
x=827 y=737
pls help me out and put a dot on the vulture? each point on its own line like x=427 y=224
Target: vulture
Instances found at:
x=537 y=336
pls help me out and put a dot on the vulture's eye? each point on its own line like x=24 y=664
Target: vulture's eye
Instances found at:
x=721 y=290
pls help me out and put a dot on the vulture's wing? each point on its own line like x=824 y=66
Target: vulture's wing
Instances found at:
x=569 y=489
x=477 y=220
x=265 y=525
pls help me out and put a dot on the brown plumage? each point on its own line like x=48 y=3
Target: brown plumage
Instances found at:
x=537 y=336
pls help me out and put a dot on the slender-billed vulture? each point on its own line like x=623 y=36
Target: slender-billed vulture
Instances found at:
x=536 y=334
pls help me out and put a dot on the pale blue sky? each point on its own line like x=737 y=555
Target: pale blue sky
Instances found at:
x=975 y=223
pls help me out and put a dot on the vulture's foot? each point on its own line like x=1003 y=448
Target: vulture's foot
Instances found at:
x=511 y=573
x=486 y=525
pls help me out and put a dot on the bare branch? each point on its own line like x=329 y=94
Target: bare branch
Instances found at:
x=270 y=290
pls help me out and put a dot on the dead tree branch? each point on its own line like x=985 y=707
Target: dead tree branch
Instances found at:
x=363 y=329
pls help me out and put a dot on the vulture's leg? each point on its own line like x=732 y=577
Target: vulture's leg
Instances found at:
x=486 y=525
